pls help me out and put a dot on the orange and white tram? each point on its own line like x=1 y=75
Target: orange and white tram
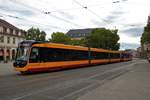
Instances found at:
x=43 y=56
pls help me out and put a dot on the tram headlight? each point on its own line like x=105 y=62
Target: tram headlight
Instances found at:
x=20 y=63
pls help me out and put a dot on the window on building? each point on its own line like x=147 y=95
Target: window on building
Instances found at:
x=8 y=39
x=14 y=40
x=11 y=31
x=4 y=29
x=1 y=30
x=17 y=32
x=1 y=39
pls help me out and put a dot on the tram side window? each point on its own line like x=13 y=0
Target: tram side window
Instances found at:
x=52 y=55
x=117 y=55
x=34 y=55
x=47 y=55
x=114 y=55
x=84 y=55
x=111 y=55
x=99 y=55
x=79 y=55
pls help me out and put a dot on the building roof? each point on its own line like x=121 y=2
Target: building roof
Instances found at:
x=74 y=33
x=8 y=25
x=77 y=31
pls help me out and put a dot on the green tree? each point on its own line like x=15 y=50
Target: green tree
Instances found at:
x=145 y=39
x=35 y=34
x=80 y=42
x=59 y=37
x=103 y=38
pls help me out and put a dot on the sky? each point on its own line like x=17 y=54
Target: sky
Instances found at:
x=128 y=16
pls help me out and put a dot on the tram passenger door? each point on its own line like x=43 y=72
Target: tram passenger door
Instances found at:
x=34 y=60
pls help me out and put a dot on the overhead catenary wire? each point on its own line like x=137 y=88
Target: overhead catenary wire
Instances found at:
x=59 y=18
x=30 y=21
x=75 y=8
x=85 y=7
x=47 y=13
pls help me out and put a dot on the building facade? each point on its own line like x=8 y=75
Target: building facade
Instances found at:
x=144 y=51
x=139 y=52
x=133 y=52
x=146 y=48
x=79 y=33
x=10 y=36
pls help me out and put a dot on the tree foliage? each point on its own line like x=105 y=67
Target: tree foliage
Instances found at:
x=80 y=42
x=103 y=38
x=99 y=38
x=146 y=34
x=35 y=34
x=59 y=37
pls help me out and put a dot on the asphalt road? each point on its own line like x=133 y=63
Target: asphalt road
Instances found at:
x=60 y=85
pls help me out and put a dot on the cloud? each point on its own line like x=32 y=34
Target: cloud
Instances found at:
x=66 y=15
x=97 y=23
x=131 y=24
x=133 y=31
x=22 y=12
x=115 y=15
x=123 y=15
x=117 y=12
x=111 y=18
x=17 y=8
x=124 y=46
x=124 y=0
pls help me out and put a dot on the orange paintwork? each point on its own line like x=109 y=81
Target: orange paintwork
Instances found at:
x=61 y=64
x=21 y=69
x=102 y=61
x=62 y=46
x=114 y=60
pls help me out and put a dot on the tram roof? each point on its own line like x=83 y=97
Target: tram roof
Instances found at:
x=63 y=46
